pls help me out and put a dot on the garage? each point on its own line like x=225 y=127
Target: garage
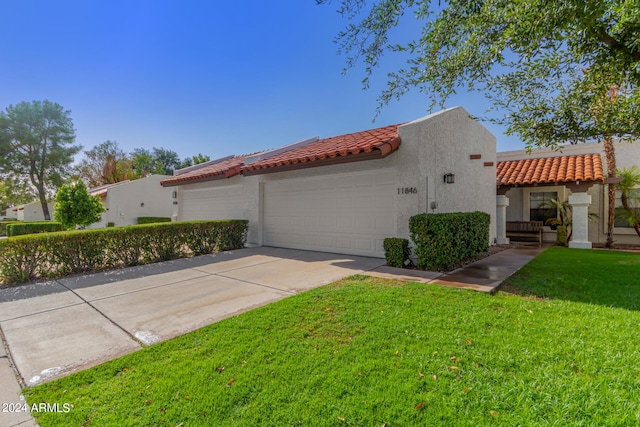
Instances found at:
x=347 y=193
x=214 y=203
x=348 y=213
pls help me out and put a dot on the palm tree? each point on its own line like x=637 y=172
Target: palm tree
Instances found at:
x=630 y=198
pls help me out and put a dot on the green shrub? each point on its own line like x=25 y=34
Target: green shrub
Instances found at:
x=152 y=219
x=561 y=235
x=442 y=240
x=396 y=251
x=111 y=224
x=53 y=255
x=4 y=223
x=21 y=228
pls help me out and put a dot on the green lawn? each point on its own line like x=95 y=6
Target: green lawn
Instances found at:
x=374 y=352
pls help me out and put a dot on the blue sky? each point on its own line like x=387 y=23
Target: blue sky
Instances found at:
x=210 y=77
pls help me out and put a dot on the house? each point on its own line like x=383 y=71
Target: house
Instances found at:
x=29 y=212
x=10 y=213
x=346 y=194
x=575 y=173
x=127 y=200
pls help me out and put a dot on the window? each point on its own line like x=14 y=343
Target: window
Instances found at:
x=540 y=208
x=622 y=215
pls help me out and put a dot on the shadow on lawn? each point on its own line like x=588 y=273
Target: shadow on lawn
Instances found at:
x=606 y=278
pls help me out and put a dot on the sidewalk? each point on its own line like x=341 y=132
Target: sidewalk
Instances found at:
x=122 y=311
x=483 y=276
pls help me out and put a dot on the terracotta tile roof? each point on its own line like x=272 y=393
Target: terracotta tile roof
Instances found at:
x=369 y=144
x=225 y=169
x=380 y=141
x=550 y=170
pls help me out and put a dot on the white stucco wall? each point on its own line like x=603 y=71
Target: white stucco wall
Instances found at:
x=33 y=212
x=439 y=144
x=12 y=213
x=132 y=199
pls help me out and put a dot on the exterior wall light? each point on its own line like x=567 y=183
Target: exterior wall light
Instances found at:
x=174 y=194
x=449 y=178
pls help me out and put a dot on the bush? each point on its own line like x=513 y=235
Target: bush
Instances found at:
x=396 y=251
x=442 y=240
x=4 y=223
x=561 y=235
x=52 y=255
x=76 y=207
x=111 y=224
x=21 y=228
x=152 y=219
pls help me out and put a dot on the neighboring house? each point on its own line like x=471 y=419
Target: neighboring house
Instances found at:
x=29 y=212
x=127 y=200
x=576 y=174
x=11 y=213
x=347 y=193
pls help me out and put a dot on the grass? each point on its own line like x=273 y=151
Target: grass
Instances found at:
x=373 y=352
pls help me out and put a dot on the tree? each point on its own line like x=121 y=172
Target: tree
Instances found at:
x=194 y=160
x=630 y=196
x=36 y=142
x=554 y=71
x=166 y=161
x=14 y=191
x=142 y=161
x=105 y=163
x=76 y=207
x=200 y=158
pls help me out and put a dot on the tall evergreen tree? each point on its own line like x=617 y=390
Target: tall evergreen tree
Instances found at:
x=36 y=141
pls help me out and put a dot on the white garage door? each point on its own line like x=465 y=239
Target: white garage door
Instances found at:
x=226 y=202
x=345 y=213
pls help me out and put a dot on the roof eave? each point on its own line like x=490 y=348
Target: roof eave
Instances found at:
x=377 y=153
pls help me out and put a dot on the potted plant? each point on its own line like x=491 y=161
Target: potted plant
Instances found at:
x=553 y=223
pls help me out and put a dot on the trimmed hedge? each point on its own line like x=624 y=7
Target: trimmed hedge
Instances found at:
x=52 y=255
x=444 y=239
x=396 y=251
x=34 y=227
x=4 y=223
x=152 y=219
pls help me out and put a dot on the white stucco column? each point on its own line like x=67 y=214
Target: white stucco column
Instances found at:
x=501 y=220
x=580 y=226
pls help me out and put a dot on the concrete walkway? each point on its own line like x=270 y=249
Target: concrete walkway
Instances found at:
x=53 y=328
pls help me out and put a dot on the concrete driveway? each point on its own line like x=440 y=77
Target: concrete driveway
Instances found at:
x=52 y=329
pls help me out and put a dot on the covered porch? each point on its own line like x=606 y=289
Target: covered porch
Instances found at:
x=525 y=189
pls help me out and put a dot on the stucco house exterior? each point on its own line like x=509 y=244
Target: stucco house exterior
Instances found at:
x=29 y=212
x=575 y=173
x=127 y=200
x=347 y=193
x=11 y=213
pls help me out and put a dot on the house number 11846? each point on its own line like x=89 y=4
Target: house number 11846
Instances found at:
x=407 y=190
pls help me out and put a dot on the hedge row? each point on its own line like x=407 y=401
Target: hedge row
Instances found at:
x=444 y=239
x=22 y=228
x=4 y=223
x=52 y=255
x=152 y=219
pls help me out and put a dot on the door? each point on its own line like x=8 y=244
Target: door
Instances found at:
x=348 y=213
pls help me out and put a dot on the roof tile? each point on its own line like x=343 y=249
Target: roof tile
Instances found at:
x=550 y=170
x=225 y=169
x=384 y=139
